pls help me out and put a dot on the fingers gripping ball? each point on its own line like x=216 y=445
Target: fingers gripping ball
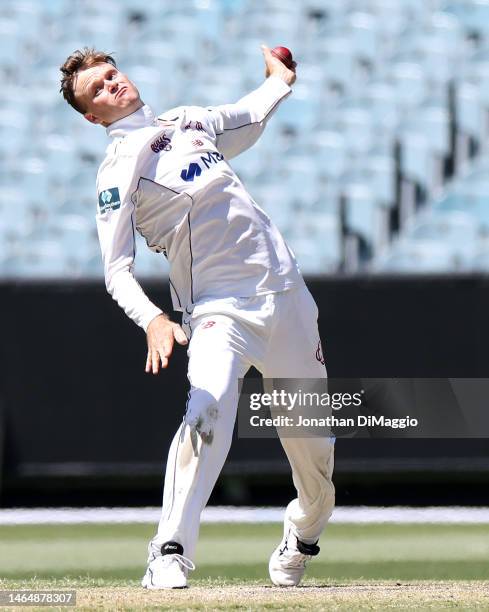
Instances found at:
x=284 y=55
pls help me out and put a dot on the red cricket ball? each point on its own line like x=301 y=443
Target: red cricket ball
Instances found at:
x=284 y=55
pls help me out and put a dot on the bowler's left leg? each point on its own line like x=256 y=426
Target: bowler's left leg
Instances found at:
x=295 y=352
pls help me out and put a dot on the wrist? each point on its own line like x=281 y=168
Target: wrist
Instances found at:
x=281 y=80
x=158 y=318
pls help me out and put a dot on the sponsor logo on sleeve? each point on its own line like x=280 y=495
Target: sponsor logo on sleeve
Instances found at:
x=109 y=199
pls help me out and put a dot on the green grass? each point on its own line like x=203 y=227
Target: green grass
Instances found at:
x=240 y=552
x=361 y=567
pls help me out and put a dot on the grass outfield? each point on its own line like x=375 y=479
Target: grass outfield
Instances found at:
x=360 y=567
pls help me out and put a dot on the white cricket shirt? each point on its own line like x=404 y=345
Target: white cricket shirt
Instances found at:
x=168 y=178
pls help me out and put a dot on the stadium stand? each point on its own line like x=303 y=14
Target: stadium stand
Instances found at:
x=377 y=162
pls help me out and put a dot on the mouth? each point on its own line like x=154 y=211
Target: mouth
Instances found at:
x=121 y=91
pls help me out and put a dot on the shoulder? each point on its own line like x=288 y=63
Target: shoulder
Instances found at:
x=108 y=188
x=189 y=117
x=113 y=180
x=184 y=114
x=173 y=115
x=107 y=168
x=119 y=161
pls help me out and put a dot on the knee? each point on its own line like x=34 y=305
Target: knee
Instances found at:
x=329 y=496
x=328 y=486
x=324 y=497
x=325 y=491
x=202 y=414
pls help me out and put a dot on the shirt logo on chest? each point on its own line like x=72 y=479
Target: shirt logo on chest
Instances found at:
x=188 y=174
x=194 y=169
x=162 y=143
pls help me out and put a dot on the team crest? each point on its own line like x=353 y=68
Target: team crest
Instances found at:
x=162 y=143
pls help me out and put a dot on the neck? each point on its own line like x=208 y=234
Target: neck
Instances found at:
x=127 y=112
x=142 y=117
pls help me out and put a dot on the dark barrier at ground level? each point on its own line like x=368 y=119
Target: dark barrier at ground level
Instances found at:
x=78 y=410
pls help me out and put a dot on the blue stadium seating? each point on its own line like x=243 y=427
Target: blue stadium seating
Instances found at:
x=373 y=74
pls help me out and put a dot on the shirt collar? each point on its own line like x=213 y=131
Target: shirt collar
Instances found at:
x=139 y=119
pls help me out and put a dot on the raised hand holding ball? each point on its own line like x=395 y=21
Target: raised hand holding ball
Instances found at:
x=279 y=62
x=285 y=56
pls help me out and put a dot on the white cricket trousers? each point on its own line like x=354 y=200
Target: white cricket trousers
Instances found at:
x=278 y=334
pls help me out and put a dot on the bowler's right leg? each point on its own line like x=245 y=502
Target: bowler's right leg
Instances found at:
x=200 y=447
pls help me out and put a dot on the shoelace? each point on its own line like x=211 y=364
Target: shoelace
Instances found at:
x=295 y=558
x=183 y=561
x=298 y=556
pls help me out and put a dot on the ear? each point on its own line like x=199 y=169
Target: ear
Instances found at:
x=92 y=118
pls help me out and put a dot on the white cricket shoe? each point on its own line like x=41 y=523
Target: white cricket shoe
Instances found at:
x=167 y=567
x=288 y=561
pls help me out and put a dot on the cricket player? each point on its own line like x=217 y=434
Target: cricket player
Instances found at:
x=233 y=277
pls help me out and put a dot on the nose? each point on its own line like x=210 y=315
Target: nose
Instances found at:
x=112 y=86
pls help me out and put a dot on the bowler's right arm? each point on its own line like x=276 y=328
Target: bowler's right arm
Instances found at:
x=115 y=226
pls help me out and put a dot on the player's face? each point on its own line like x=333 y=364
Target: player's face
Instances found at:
x=106 y=94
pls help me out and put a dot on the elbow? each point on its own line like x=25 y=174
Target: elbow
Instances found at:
x=118 y=276
x=110 y=287
x=113 y=279
x=109 y=281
